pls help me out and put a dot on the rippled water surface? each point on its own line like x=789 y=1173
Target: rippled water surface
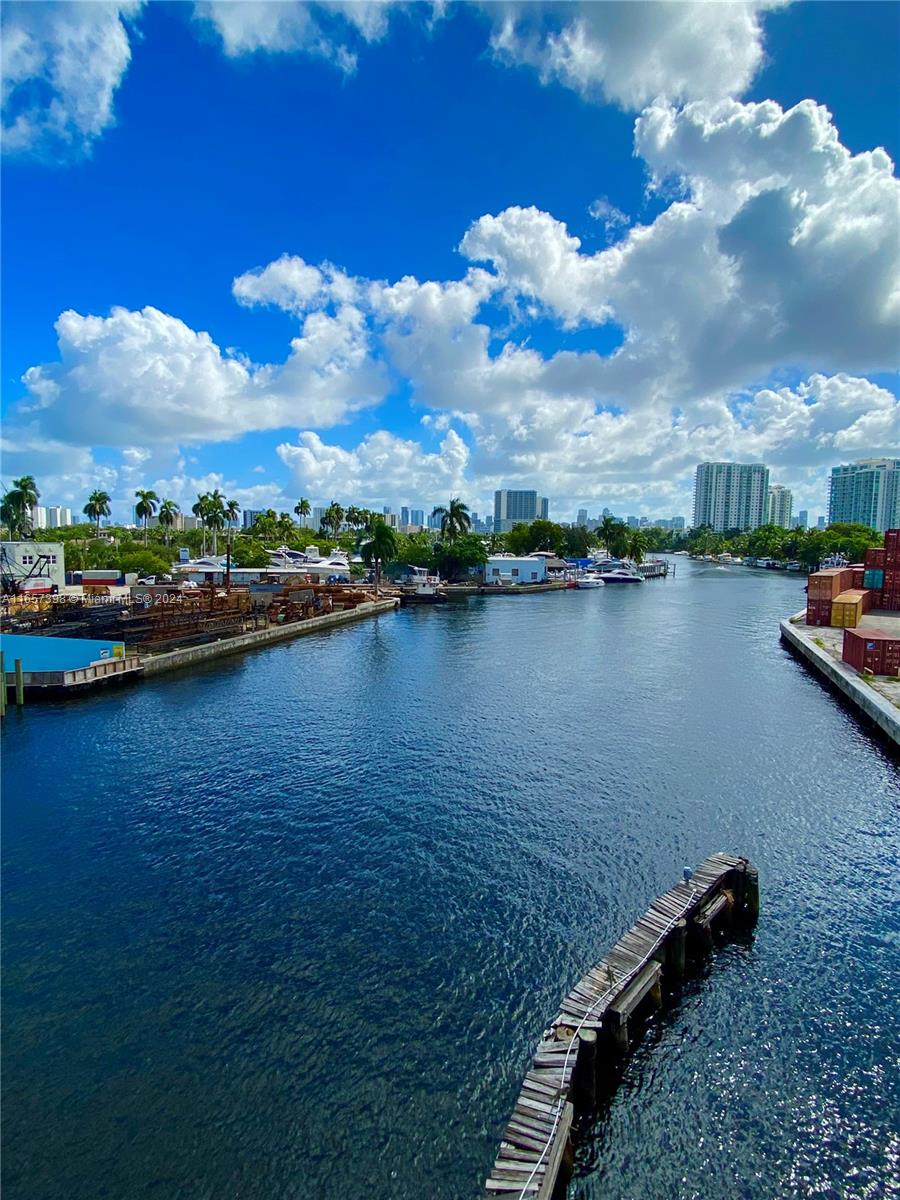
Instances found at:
x=289 y=926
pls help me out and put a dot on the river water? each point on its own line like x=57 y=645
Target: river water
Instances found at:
x=290 y=925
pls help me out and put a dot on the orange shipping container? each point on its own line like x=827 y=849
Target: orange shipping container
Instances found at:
x=826 y=585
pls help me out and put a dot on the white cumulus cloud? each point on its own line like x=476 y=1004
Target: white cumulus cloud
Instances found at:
x=630 y=53
x=134 y=378
x=61 y=66
x=382 y=467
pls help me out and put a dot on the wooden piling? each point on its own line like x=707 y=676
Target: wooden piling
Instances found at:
x=675 y=952
x=585 y=1081
x=751 y=895
x=597 y=1017
x=20 y=684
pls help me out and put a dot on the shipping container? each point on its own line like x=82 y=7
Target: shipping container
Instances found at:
x=875 y=557
x=818 y=612
x=859 y=574
x=846 y=610
x=825 y=585
x=873 y=577
x=875 y=650
x=892 y=543
x=108 y=577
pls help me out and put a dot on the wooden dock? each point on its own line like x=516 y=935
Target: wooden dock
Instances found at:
x=590 y=1034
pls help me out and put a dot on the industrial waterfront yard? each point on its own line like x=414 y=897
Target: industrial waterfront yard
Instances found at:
x=288 y=924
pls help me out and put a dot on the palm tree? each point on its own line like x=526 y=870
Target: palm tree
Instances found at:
x=455 y=519
x=638 y=545
x=200 y=510
x=97 y=507
x=286 y=527
x=378 y=546
x=168 y=511
x=302 y=508
x=614 y=536
x=16 y=507
x=353 y=517
x=145 y=507
x=337 y=517
x=215 y=516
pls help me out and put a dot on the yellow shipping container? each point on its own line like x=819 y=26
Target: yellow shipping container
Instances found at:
x=846 y=613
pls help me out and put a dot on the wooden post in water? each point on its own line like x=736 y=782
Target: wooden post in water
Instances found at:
x=751 y=895
x=675 y=951
x=20 y=684
x=585 y=1082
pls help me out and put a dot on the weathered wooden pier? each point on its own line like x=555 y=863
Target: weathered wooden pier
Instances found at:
x=589 y=1037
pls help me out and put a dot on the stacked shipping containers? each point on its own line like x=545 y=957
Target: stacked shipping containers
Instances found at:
x=822 y=590
x=873 y=650
x=890 y=590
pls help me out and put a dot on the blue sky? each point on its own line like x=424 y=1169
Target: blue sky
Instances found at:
x=419 y=178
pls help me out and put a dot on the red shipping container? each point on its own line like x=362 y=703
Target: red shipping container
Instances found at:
x=859 y=576
x=875 y=650
x=818 y=613
x=825 y=585
x=875 y=558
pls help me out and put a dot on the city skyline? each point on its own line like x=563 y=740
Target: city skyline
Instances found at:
x=189 y=316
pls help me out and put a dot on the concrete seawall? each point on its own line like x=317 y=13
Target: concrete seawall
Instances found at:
x=877 y=708
x=191 y=655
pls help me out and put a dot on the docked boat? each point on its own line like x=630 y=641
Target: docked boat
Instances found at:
x=620 y=575
x=422 y=589
x=590 y=579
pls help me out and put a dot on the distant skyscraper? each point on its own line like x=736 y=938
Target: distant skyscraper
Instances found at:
x=820 y=524
x=581 y=519
x=866 y=492
x=678 y=523
x=387 y=510
x=513 y=508
x=731 y=495
x=632 y=522
x=249 y=515
x=781 y=505
x=404 y=515
x=802 y=519
x=417 y=516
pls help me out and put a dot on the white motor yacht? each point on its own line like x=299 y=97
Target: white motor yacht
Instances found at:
x=590 y=579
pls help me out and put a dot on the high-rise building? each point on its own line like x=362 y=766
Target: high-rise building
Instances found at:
x=404 y=514
x=249 y=515
x=513 y=508
x=821 y=523
x=866 y=492
x=731 y=495
x=678 y=523
x=416 y=516
x=581 y=519
x=802 y=519
x=781 y=505
x=632 y=522
x=387 y=510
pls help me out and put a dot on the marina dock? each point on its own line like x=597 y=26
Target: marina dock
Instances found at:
x=591 y=1034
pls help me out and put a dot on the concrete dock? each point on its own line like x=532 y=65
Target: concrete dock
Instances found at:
x=174 y=660
x=878 y=697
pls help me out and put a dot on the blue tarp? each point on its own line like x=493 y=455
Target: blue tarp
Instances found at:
x=55 y=653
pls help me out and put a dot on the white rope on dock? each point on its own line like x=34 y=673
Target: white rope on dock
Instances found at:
x=561 y=1102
